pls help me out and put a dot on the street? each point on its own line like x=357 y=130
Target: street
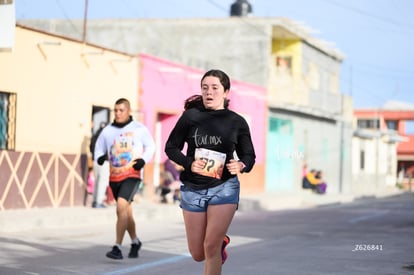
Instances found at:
x=367 y=236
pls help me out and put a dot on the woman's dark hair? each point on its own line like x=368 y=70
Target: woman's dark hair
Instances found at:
x=195 y=101
x=224 y=78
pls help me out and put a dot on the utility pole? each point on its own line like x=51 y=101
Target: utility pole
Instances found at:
x=85 y=20
x=341 y=146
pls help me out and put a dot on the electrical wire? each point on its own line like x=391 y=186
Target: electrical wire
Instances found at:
x=65 y=14
x=383 y=19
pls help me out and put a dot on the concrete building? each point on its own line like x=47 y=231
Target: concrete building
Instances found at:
x=383 y=150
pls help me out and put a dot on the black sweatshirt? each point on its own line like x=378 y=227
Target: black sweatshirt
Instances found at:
x=221 y=131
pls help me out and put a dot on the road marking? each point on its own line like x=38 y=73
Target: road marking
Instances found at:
x=176 y=246
x=169 y=260
x=367 y=217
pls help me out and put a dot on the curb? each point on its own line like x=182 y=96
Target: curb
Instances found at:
x=80 y=216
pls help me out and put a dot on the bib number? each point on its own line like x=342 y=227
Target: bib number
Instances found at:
x=214 y=162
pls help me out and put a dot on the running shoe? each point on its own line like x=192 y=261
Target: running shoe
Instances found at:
x=226 y=241
x=133 y=252
x=115 y=253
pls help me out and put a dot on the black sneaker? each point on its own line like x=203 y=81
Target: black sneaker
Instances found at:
x=133 y=252
x=115 y=253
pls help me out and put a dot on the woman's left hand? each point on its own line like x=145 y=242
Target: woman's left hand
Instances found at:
x=234 y=167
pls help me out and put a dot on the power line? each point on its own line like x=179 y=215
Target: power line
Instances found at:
x=79 y=32
x=131 y=9
x=376 y=69
x=377 y=17
x=220 y=7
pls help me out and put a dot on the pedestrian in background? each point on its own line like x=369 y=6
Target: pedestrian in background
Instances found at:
x=127 y=145
x=170 y=181
x=211 y=188
x=101 y=173
x=91 y=181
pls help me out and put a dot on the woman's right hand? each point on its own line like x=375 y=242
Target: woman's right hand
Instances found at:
x=198 y=165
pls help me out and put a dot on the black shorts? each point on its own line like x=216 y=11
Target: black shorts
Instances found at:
x=125 y=189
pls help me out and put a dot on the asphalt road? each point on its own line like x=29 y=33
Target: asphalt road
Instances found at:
x=368 y=236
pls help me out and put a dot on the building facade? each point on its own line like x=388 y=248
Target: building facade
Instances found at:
x=385 y=150
x=300 y=73
x=52 y=90
x=164 y=87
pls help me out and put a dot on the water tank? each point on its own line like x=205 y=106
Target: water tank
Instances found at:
x=240 y=8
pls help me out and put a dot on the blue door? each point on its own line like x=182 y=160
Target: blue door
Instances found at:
x=279 y=156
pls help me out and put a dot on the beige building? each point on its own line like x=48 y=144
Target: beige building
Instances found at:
x=51 y=90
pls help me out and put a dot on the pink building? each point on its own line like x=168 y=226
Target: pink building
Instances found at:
x=164 y=87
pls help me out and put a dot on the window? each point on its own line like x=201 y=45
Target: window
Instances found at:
x=409 y=127
x=368 y=123
x=362 y=159
x=333 y=83
x=313 y=76
x=390 y=159
x=392 y=124
x=284 y=64
x=99 y=115
x=7 y=121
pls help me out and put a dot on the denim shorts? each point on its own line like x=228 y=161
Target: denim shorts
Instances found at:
x=198 y=200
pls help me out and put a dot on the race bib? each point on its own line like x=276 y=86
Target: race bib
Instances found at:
x=215 y=162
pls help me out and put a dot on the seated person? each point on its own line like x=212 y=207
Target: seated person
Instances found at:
x=175 y=170
x=313 y=180
x=164 y=187
x=305 y=182
x=170 y=181
x=309 y=181
x=321 y=186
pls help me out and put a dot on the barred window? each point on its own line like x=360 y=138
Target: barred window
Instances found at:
x=7 y=121
x=369 y=123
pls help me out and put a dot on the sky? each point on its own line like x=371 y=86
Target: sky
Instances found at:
x=376 y=36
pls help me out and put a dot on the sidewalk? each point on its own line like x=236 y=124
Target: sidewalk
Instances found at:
x=304 y=199
x=147 y=210
x=79 y=216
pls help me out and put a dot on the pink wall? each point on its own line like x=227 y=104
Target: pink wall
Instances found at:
x=165 y=85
